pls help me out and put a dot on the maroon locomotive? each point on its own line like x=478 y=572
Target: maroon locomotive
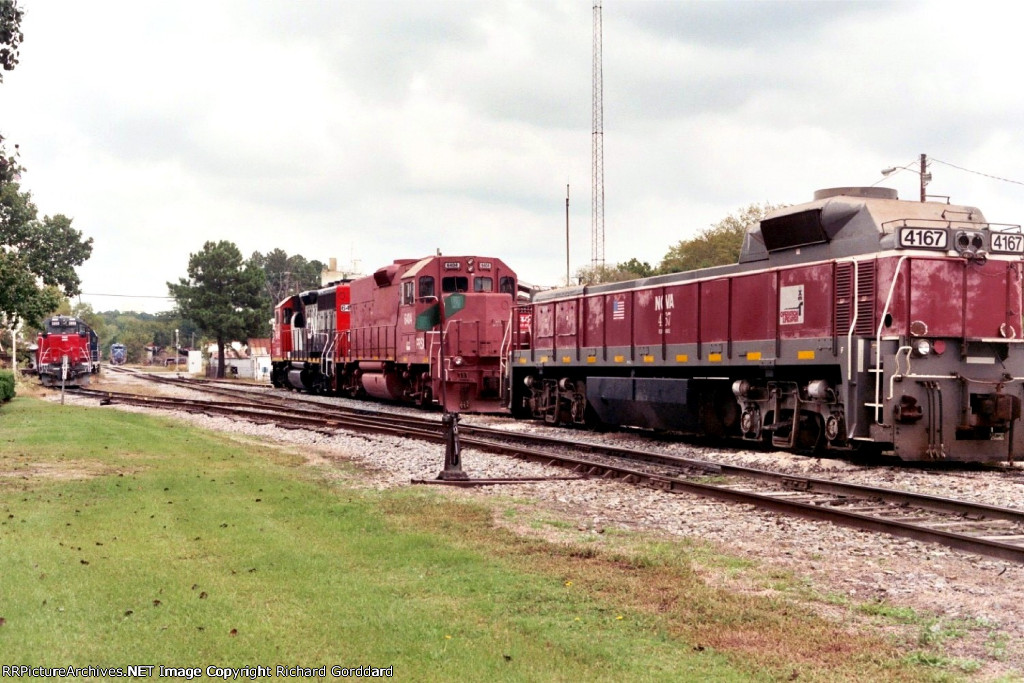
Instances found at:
x=363 y=338
x=850 y=320
x=66 y=352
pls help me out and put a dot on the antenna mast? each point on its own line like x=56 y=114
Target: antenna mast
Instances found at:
x=597 y=193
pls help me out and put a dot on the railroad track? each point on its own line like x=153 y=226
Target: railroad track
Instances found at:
x=971 y=527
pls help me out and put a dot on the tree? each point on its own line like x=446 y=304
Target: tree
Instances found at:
x=632 y=269
x=10 y=40
x=10 y=35
x=222 y=294
x=716 y=246
x=638 y=268
x=94 y=320
x=285 y=275
x=136 y=335
x=37 y=257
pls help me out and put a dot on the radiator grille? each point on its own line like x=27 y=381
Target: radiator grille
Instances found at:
x=844 y=282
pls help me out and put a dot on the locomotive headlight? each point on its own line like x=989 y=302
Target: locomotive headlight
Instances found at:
x=921 y=347
x=458 y=360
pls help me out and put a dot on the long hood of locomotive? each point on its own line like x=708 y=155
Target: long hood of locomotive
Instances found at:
x=922 y=350
x=790 y=314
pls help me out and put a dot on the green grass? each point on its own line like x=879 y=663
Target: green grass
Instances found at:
x=127 y=539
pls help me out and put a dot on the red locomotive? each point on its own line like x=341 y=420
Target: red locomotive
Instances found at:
x=374 y=335
x=67 y=352
x=850 y=320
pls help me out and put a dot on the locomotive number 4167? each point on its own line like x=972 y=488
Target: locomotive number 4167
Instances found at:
x=923 y=238
x=1007 y=243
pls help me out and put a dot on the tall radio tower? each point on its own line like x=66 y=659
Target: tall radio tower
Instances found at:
x=597 y=189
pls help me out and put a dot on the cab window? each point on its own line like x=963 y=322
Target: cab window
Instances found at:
x=483 y=284
x=407 y=290
x=454 y=284
x=507 y=285
x=426 y=286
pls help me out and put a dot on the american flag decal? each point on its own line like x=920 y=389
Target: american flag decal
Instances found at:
x=618 y=310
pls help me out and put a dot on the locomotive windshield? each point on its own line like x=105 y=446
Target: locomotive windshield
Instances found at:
x=455 y=283
x=60 y=324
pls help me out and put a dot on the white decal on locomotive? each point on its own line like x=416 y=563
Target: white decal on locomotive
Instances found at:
x=791 y=305
x=664 y=304
x=618 y=310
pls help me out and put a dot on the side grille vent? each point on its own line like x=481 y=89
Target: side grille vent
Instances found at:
x=845 y=274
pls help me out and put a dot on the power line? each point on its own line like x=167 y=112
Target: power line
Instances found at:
x=129 y=296
x=967 y=170
x=888 y=173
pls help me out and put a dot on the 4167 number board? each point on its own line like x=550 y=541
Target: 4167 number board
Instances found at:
x=924 y=238
x=1007 y=242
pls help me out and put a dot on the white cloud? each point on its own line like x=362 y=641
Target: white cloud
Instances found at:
x=383 y=130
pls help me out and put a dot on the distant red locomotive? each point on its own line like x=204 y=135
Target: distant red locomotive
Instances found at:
x=855 y=319
x=67 y=351
x=361 y=337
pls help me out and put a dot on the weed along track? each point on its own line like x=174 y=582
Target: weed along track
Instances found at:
x=964 y=525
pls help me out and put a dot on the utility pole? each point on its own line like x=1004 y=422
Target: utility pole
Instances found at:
x=567 y=280
x=14 y=348
x=925 y=175
x=597 y=194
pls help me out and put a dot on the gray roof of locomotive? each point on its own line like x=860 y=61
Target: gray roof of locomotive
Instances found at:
x=839 y=223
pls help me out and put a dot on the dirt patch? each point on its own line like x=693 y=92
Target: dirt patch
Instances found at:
x=60 y=471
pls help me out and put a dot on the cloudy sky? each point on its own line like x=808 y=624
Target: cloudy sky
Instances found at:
x=374 y=130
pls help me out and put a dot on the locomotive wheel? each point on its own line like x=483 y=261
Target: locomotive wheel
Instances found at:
x=810 y=434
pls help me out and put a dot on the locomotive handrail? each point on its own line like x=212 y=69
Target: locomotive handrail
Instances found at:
x=328 y=355
x=948 y=222
x=851 y=398
x=896 y=362
x=878 y=340
x=505 y=351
